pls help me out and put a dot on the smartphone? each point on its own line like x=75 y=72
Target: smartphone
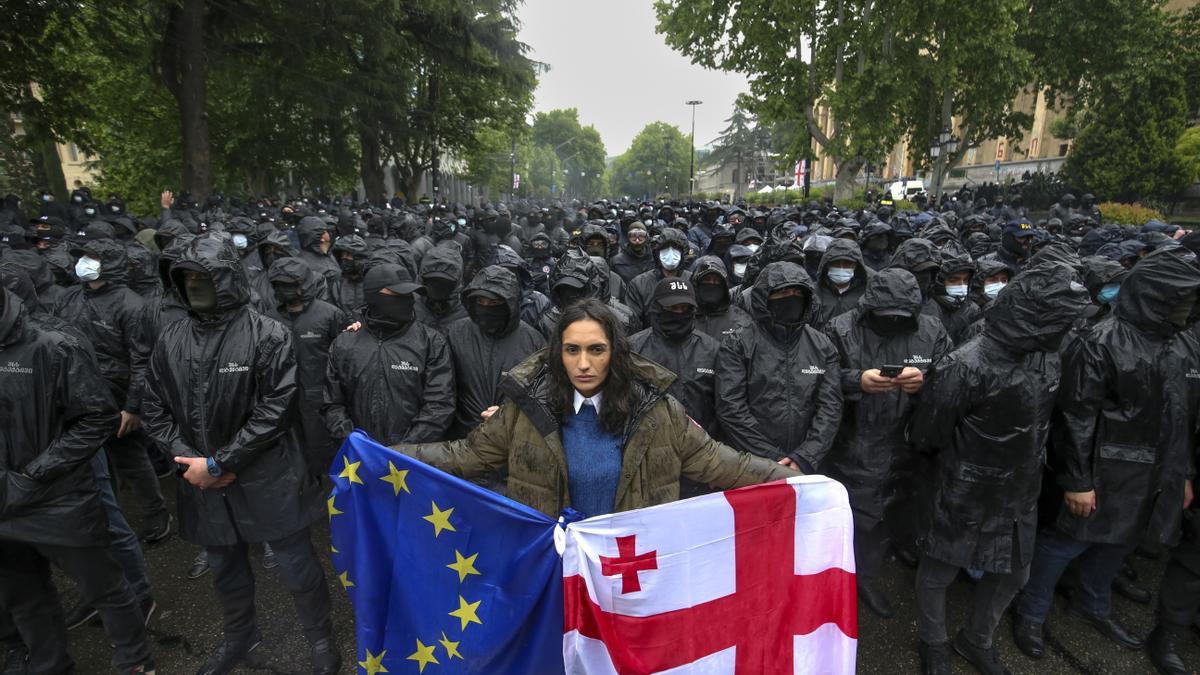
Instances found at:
x=890 y=371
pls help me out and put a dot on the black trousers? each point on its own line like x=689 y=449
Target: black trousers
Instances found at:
x=993 y=593
x=1179 y=594
x=131 y=463
x=233 y=579
x=27 y=591
x=871 y=539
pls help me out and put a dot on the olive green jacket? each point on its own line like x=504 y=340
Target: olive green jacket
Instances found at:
x=660 y=445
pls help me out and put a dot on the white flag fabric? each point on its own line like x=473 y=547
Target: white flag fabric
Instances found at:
x=754 y=580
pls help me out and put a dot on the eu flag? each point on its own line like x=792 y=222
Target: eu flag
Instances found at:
x=444 y=576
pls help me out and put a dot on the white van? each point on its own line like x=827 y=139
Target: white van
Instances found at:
x=905 y=189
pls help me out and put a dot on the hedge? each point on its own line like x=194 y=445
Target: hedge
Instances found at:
x=1128 y=214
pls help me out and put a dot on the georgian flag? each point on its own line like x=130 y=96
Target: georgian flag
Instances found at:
x=754 y=580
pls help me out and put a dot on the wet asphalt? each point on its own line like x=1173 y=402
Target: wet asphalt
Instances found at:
x=187 y=625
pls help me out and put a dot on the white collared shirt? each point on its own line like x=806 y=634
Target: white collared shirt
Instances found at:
x=594 y=400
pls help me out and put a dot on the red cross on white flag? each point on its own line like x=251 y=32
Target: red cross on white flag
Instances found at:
x=756 y=580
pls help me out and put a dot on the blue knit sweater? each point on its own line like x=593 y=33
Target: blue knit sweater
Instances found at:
x=593 y=462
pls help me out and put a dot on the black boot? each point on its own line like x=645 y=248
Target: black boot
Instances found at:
x=874 y=598
x=1163 y=651
x=199 y=566
x=1110 y=628
x=229 y=654
x=935 y=659
x=1027 y=633
x=326 y=659
x=1125 y=586
x=157 y=527
x=986 y=661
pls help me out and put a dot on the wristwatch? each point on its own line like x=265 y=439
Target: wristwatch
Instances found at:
x=214 y=469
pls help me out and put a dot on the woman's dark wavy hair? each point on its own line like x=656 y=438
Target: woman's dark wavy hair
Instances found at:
x=618 y=387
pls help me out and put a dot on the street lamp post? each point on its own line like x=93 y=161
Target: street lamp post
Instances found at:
x=692 y=169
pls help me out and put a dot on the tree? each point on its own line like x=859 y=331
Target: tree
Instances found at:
x=579 y=149
x=657 y=162
x=741 y=143
x=1126 y=148
x=1187 y=149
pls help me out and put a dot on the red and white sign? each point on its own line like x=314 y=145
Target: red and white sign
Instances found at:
x=756 y=580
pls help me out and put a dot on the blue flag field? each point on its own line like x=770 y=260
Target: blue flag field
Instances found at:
x=444 y=576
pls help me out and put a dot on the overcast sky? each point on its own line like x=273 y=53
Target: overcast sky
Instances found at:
x=606 y=60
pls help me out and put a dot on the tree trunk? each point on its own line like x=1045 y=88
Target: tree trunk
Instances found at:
x=192 y=97
x=43 y=149
x=847 y=174
x=371 y=164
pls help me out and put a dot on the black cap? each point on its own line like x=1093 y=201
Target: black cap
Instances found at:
x=392 y=277
x=674 y=291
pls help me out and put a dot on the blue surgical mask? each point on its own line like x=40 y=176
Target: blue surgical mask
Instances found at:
x=87 y=269
x=239 y=241
x=957 y=291
x=461 y=222
x=993 y=289
x=670 y=258
x=840 y=275
x=1108 y=292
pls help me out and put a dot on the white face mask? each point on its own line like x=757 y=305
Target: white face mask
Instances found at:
x=670 y=258
x=753 y=247
x=739 y=269
x=993 y=289
x=959 y=291
x=240 y=241
x=840 y=275
x=87 y=269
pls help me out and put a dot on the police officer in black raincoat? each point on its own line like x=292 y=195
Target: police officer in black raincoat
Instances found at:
x=669 y=251
x=870 y=454
x=58 y=413
x=314 y=323
x=487 y=344
x=394 y=377
x=779 y=381
x=441 y=276
x=672 y=341
x=1125 y=444
x=221 y=397
x=841 y=279
x=113 y=318
x=716 y=315
x=315 y=244
x=985 y=413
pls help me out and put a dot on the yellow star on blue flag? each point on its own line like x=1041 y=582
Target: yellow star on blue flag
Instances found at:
x=497 y=609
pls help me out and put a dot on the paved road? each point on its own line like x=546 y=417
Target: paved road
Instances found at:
x=189 y=624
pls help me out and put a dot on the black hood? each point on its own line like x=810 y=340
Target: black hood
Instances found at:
x=16 y=279
x=496 y=279
x=354 y=244
x=309 y=231
x=1098 y=272
x=843 y=249
x=892 y=288
x=1043 y=300
x=916 y=255
x=143 y=277
x=576 y=267
x=215 y=254
x=1155 y=285
x=295 y=271
x=168 y=257
x=773 y=277
x=442 y=261
x=114 y=263
x=34 y=264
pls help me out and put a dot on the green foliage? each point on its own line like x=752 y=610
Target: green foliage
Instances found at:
x=657 y=162
x=1128 y=214
x=579 y=149
x=1126 y=149
x=1187 y=151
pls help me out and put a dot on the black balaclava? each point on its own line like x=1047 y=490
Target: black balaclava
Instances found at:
x=788 y=311
x=351 y=267
x=888 y=325
x=1180 y=315
x=439 y=289
x=491 y=319
x=674 y=326
x=390 y=311
x=711 y=295
x=565 y=294
x=288 y=293
x=925 y=280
